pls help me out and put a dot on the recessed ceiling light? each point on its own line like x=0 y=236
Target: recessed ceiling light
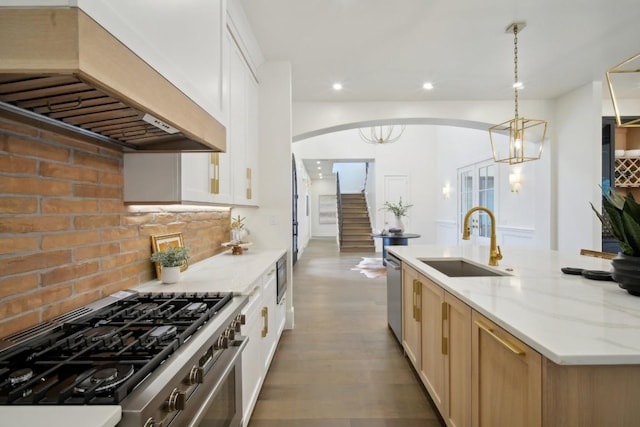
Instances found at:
x=317 y=162
x=518 y=85
x=319 y=168
x=427 y=86
x=337 y=86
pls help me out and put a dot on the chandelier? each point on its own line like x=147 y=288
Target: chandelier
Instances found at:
x=381 y=134
x=627 y=74
x=525 y=135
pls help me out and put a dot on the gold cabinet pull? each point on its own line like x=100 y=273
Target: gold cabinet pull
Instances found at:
x=249 y=183
x=514 y=348
x=413 y=299
x=418 y=301
x=265 y=317
x=445 y=316
x=215 y=173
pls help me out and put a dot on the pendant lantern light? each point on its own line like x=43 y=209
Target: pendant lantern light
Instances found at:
x=526 y=136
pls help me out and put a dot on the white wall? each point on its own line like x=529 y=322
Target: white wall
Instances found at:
x=351 y=176
x=309 y=117
x=579 y=171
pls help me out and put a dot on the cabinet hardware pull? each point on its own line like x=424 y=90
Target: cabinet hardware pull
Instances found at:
x=418 y=300
x=265 y=317
x=215 y=173
x=413 y=299
x=445 y=316
x=249 y=183
x=514 y=348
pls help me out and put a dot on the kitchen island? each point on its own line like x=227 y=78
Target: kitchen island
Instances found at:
x=532 y=346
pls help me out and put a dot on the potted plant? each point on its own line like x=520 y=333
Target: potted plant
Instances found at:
x=622 y=215
x=399 y=210
x=171 y=261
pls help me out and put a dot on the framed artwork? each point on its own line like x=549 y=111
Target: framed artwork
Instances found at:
x=327 y=209
x=161 y=242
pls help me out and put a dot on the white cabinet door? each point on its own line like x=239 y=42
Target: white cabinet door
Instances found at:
x=270 y=332
x=183 y=43
x=243 y=128
x=252 y=365
x=176 y=178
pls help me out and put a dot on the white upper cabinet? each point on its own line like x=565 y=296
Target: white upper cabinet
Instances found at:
x=242 y=132
x=183 y=42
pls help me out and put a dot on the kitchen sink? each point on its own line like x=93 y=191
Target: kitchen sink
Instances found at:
x=461 y=268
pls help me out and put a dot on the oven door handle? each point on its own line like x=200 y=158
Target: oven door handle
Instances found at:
x=237 y=348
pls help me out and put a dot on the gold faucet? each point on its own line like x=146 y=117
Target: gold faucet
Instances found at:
x=495 y=254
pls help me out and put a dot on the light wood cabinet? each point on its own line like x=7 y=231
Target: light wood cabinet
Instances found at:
x=433 y=352
x=457 y=349
x=437 y=340
x=506 y=378
x=411 y=315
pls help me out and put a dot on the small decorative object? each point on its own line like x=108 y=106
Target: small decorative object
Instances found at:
x=238 y=232
x=399 y=210
x=170 y=255
x=622 y=215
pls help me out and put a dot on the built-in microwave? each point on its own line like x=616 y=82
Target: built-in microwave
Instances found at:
x=281 y=277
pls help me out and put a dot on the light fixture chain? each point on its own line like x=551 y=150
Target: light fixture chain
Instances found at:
x=515 y=66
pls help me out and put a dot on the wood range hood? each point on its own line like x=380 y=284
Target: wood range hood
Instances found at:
x=62 y=71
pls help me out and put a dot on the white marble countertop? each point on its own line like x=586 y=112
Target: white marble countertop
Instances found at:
x=221 y=273
x=61 y=416
x=568 y=319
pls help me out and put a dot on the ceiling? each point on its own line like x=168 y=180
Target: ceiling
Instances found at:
x=383 y=50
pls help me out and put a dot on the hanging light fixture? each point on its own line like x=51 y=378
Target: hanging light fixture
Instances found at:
x=627 y=73
x=525 y=135
x=381 y=134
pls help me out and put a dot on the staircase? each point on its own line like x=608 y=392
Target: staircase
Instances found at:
x=356 y=226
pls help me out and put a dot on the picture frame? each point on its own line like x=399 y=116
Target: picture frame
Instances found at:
x=160 y=242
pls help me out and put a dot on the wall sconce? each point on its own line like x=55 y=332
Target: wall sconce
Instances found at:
x=514 y=182
x=446 y=192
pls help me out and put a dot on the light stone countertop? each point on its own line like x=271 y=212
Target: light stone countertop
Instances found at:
x=60 y=416
x=568 y=319
x=221 y=273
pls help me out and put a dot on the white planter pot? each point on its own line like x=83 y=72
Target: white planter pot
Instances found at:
x=397 y=225
x=170 y=275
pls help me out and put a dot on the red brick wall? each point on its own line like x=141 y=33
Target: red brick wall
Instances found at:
x=66 y=237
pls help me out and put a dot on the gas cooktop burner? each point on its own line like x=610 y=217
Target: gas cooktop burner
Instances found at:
x=164 y=332
x=144 y=309
x=99 y=333
x=20 y=376
x=104 y=379
x=195 y=308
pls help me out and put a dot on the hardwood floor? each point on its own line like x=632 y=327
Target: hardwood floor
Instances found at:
x=340 y=366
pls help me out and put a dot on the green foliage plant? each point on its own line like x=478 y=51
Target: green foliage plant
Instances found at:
x=622 y=214
x=398 y=209
x=171 y=257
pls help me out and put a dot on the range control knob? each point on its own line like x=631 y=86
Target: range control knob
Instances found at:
x=176 y=401
x=222 y=343
x=230 y=333
x=240 y=318
x=152 y=423
x=195 y=376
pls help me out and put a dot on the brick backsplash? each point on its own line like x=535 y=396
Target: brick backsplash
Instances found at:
x=66 y=236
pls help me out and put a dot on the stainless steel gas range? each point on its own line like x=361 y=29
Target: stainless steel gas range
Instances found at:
x=169 y=359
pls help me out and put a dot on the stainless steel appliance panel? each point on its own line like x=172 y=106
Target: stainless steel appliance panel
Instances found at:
x=394 y=295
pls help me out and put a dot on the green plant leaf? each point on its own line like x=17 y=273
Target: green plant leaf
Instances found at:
x=632 y=232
